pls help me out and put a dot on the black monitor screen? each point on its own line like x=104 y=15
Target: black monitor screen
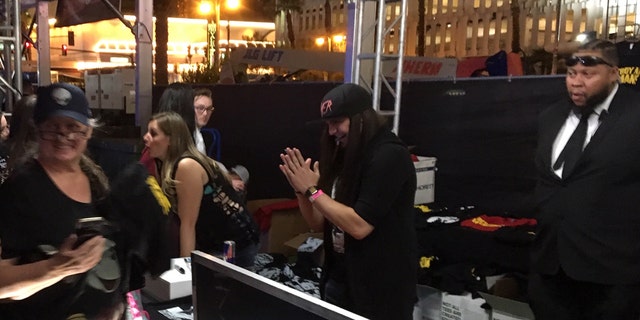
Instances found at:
x=223 y=291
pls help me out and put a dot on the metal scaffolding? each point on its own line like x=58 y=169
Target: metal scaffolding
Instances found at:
x=362 y=54
x=11 y=59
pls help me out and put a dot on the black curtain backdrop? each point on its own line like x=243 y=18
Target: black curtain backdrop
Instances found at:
x=258 y=121
x=483 y=132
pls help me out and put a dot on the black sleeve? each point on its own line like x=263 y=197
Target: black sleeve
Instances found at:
x=383 y=180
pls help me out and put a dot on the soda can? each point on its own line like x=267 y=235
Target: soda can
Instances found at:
x=229 y=251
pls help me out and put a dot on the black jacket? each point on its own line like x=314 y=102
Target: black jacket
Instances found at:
x=589 y=223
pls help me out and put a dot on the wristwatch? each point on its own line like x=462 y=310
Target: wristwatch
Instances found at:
x=311 y=191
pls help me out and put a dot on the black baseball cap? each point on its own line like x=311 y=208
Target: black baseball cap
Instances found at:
x=345 y=100
x=61 y=99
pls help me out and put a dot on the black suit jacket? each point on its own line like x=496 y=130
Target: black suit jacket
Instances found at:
x=589 y=223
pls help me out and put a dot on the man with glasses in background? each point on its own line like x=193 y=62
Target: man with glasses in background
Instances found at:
x=586 y=256
x=203 y=106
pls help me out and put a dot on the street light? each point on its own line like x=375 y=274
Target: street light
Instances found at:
x=232 y=5
x=338 y=41
x=213 y=36
x=212 y=9
x=331 y=41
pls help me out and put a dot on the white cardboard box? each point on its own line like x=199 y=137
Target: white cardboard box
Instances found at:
x=462 y=307
x=434 y=304
x=173 y=283
x=425 y=176
x=429 y=303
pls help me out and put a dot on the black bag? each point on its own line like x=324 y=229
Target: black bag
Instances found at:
x=141 y=211
x=234 y=207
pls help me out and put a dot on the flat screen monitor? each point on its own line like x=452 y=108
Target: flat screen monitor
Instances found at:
x=224 y=291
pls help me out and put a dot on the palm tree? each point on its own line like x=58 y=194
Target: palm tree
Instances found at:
x=288 y=7
x=162 y=9
x=515 y=13
x=257 y=36
x=421 y=12
x=327 y=17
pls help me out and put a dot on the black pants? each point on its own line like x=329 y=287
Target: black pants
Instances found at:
x=337 y=293
x=558 y=297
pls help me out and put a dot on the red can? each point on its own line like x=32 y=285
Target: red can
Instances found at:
x=229 y=251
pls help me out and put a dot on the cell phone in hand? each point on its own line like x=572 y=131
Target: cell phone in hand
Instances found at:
x=87 y=228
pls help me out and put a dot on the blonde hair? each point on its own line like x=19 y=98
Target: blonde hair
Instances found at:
x=181 y=145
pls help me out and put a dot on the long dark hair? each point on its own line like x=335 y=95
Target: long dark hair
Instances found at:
x=178 y=97
x=22 y=138
x=344 y=163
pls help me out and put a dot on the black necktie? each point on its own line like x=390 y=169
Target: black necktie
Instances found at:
x=572 y=150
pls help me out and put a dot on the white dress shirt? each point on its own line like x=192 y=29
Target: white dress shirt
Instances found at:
x=571 y=124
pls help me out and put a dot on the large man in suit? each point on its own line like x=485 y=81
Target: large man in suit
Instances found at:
x=586 y=257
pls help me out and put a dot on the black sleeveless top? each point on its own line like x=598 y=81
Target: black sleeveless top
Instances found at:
x=222 y=216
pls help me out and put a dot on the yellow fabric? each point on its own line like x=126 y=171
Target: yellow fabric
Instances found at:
x=484 y=223
x=163 y=201
x=425 y=262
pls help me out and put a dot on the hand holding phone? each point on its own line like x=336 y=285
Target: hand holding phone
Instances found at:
x=87 y=228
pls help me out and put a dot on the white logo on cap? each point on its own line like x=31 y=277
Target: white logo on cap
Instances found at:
x=325 y=107
x=61 y=96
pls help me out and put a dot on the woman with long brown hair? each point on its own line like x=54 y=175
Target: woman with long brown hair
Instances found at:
x=208 y=210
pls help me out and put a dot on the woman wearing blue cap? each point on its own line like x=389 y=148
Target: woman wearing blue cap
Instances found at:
x=44 y=267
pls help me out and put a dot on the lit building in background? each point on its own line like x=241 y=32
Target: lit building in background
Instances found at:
x=451 y=28
x=311 y=29
x=108 y=43
x=457 y=28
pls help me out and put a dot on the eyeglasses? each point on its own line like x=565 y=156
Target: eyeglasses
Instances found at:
x=587 y=61
x=55 y=135
x=203 y=109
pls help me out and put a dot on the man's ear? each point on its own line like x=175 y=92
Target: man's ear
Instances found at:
x=615 y=72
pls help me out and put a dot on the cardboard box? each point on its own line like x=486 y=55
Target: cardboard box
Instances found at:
x=425 y=176
x=316 y=256
x=429 y=303
x=172 y=284
x=434 y=304
x=296 y=241
x=284 y=225
x=254 y=206
x=507 y=309
x=462 y=307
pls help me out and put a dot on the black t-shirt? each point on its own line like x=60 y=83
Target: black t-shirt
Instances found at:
x=381 y=268
x=629 y=65
x=33 y=213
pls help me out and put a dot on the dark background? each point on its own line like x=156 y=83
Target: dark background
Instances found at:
x=482 y=131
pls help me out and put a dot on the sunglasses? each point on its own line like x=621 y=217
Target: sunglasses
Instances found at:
x=587 y=61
